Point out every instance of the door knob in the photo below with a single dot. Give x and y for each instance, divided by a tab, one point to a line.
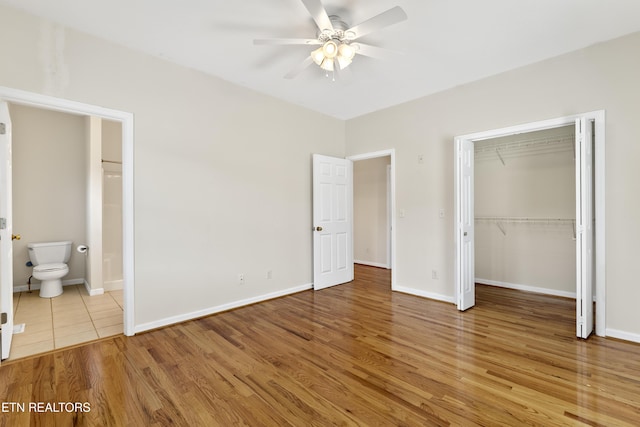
15	237
318	228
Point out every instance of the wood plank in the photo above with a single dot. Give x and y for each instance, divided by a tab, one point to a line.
355	354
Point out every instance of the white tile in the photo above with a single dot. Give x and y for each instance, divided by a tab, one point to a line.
73	329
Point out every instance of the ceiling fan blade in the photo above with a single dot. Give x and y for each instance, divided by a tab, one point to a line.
299	68
309	42
385	19
319	14
375	51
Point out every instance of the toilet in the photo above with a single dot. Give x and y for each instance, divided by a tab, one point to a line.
50	265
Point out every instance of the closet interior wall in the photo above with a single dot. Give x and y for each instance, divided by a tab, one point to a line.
525	212
371	212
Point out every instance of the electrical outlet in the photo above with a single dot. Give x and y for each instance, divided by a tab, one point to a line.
241	278
269	274
434	274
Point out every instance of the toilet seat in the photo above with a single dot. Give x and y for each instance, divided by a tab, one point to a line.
45	268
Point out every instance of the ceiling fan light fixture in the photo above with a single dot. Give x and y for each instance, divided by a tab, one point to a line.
343	62
330	54
327	64
346	51
330	49
318	56
337	41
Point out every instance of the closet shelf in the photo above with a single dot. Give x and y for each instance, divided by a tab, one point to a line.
500	220
500	149
512	219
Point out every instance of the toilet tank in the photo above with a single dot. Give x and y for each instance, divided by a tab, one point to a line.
49	252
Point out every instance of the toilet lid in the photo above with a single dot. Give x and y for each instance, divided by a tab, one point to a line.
50	267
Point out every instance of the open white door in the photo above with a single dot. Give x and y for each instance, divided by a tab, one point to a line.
465	257
584	228
332	221
6	231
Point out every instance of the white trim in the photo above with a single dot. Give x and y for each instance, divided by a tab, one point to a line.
623	335
389	215
392	154
369	263
599	214
36	286
219	308
599	189
425	294
64	105
93	292
527	288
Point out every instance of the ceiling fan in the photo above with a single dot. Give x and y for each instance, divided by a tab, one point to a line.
337	40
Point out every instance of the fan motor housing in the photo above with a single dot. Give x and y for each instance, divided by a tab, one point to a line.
339	31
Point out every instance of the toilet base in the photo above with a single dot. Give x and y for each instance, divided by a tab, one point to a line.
50	288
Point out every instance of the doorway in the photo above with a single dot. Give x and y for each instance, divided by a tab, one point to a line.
524	203
377	171
589	257
125	120
333	246
371	212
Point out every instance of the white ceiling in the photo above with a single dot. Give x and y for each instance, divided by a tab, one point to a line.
444	43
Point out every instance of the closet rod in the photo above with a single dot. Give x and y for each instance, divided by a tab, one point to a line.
111	161
524	219
529	143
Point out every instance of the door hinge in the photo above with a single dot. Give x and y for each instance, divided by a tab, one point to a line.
3	128
3	223
3	318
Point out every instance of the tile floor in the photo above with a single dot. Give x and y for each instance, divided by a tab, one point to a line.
71	318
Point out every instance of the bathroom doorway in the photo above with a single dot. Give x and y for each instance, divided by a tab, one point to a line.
69	210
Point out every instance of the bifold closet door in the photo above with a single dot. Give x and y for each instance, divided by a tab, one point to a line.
584	228
465	256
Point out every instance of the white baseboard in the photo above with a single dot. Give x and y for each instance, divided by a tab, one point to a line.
372	264
36	286
217	309
622	335
93	292
527	288
424	294
68	282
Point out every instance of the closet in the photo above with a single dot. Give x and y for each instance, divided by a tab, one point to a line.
525	207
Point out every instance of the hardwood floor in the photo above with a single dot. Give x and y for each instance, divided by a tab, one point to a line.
351	355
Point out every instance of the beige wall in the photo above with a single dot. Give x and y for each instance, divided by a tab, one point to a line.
222	174
48	185
537	184
604	76
112	204
370	233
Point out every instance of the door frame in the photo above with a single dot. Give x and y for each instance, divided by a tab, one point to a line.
598	117
16	96
392	154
